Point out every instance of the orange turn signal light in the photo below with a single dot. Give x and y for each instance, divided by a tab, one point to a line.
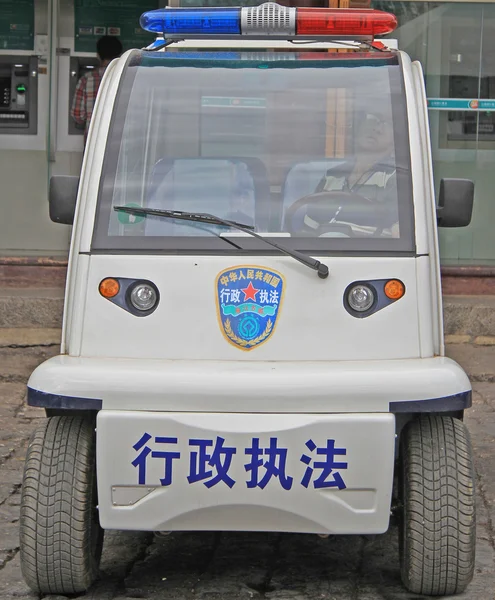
109	287
394	289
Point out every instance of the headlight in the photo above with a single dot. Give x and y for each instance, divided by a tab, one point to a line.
143	297
361	298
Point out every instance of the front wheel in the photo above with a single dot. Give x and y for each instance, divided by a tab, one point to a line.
60	536
437	530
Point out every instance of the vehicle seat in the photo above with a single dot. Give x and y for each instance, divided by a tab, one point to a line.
231	188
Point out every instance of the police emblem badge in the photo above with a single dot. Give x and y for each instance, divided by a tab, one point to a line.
249	299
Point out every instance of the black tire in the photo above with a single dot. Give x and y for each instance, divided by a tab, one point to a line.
437	528
60	537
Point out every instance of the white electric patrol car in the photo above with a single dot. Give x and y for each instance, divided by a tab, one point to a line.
252	334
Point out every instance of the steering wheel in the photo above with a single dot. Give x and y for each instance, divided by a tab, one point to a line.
342	206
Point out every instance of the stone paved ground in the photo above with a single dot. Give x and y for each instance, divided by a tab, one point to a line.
240	566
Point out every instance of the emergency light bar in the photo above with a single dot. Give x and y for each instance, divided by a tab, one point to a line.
268	20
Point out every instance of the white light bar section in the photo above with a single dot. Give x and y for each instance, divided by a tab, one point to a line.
269	18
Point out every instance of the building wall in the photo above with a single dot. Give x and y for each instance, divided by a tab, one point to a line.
455	42
28	162
25	226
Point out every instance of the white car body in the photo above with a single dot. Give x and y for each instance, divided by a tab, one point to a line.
320	375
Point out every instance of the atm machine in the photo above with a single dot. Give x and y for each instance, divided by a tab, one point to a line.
23	101
25	68
71	67
78	67
18	95
72	63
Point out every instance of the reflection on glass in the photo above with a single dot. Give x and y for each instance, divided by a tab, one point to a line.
455	43
306	3
461	47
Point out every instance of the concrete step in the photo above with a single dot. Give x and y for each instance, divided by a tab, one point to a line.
31	307
471	316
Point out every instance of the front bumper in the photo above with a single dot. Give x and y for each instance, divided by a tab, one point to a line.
408	385
261	472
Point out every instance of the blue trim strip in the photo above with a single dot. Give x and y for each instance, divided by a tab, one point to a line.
46	400
446	404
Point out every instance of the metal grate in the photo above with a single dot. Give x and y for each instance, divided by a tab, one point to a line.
268	18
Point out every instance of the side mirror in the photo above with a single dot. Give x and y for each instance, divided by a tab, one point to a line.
62	198
455	204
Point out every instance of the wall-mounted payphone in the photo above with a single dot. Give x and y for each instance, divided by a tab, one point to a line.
18	95
79	66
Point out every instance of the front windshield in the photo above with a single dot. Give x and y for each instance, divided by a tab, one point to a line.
309	148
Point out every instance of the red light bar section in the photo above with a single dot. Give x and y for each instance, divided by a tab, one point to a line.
346	22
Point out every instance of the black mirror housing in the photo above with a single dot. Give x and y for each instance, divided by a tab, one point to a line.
455	203
62	198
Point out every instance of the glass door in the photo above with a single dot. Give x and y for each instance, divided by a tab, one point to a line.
25	64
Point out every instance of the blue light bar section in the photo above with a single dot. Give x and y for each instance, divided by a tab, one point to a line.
147	59
177	21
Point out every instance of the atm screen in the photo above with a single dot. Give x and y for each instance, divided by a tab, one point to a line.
5	83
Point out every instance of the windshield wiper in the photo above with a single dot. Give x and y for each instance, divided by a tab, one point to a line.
312	263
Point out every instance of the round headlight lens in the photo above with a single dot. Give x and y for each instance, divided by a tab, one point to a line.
361	298
143	297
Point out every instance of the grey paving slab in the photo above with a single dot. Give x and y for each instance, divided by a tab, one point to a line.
235	566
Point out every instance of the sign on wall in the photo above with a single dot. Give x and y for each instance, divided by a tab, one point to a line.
16	24
96	18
